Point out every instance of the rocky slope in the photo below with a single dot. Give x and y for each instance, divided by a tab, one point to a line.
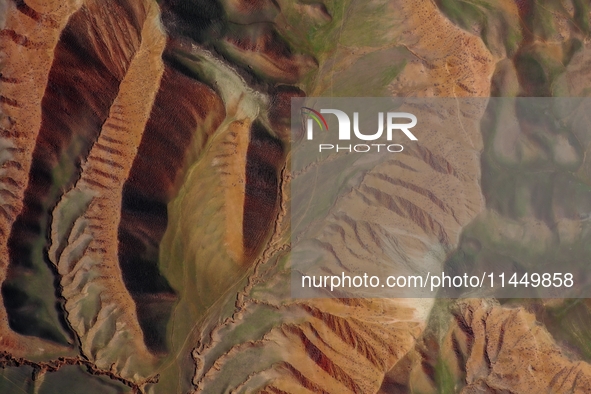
145	196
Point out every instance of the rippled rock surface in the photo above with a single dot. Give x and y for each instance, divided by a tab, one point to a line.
145	196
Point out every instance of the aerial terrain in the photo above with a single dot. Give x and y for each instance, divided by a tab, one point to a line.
145	196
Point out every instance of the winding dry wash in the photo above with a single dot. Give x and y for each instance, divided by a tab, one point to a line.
145	191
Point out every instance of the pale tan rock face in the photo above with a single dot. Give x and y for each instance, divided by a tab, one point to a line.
491	348
512	351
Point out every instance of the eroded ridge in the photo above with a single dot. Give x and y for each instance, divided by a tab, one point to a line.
169	229
347	345
484	346
27	44
85	222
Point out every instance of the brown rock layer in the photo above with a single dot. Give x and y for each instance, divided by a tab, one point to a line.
264	158
280	109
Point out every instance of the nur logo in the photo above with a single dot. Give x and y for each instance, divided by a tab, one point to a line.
344	131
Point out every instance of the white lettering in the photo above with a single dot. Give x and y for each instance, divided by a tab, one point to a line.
344	122
395	145
401	126
370	137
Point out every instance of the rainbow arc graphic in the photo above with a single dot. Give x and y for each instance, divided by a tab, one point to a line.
312	114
